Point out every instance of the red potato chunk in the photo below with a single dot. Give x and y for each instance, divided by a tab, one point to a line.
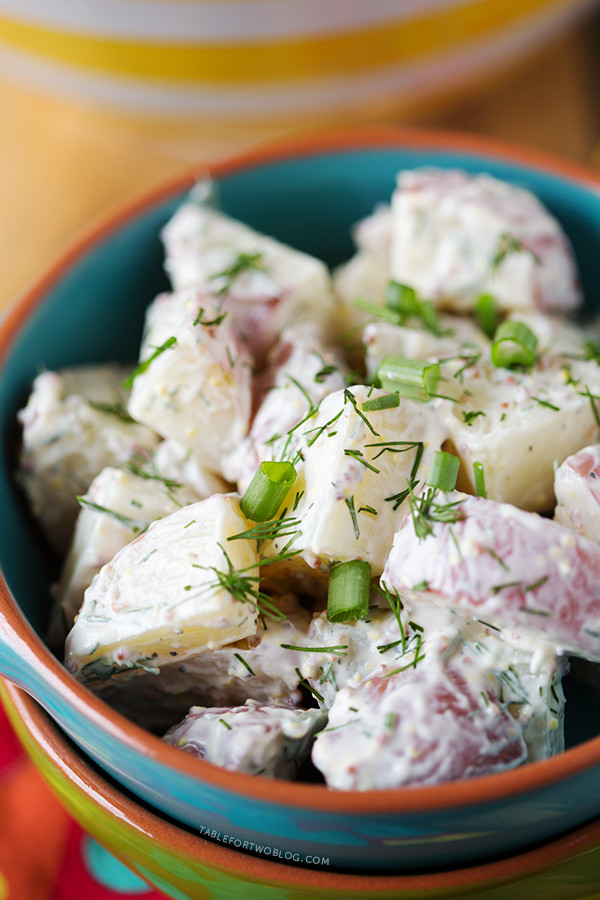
510	568
259	739
456	235
577	489
424	725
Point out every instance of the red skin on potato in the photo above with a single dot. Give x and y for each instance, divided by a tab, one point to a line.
424	725
513	569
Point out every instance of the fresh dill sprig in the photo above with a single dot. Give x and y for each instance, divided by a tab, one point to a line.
396	605
146	363
304	683
243	262
507	244
269	531
244	587
470	416
338	649
592	398
546	403
424	510
350	398
349	501
147	469
137	525
245	664
209	323
358	456
117	409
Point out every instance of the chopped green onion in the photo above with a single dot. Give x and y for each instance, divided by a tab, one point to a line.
487	314
413	378
402	299
514	345
479	479
385	401
443	471
267	490
348	592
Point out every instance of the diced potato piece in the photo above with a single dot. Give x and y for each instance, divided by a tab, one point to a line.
519	425
254	738
424	725
197	390
456	236
257	667
460	337
176	463
521	673
512	569
263	284
179	588
301	371
74	424
351	466
118	505
577	489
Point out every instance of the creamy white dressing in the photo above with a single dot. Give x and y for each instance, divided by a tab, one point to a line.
74	424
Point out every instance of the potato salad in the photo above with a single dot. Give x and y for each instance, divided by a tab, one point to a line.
337	525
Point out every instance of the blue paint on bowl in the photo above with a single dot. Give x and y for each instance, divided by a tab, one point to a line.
94	313
110	872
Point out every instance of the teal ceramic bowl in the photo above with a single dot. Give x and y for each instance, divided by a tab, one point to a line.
89	307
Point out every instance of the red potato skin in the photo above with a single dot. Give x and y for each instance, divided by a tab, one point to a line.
513	569
424	725
583	469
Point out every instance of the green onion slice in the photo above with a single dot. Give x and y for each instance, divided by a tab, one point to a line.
514	345
267	490
402	299
413	378
479	479
348	592
487	314
406	303
443	471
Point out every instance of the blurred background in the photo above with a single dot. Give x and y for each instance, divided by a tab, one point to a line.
100	99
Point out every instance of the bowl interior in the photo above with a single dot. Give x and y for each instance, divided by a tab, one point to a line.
90	308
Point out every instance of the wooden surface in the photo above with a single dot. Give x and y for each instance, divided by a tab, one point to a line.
61	168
